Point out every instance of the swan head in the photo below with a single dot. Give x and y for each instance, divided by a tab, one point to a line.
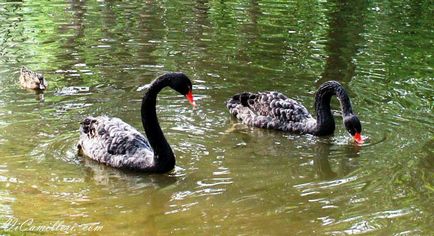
182	84
354	127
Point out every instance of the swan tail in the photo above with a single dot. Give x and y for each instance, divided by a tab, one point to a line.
244	107
88	126
239	101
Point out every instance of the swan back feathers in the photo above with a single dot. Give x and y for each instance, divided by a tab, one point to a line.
114	142
271	110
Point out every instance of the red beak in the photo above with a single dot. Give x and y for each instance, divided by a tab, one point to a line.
358	138
189	97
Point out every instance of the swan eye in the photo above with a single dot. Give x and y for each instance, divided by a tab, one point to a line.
351	131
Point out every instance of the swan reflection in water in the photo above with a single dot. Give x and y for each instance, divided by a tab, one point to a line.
150	195
132	180
333	161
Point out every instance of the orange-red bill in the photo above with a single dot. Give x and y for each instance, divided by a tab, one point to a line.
358	138
190	99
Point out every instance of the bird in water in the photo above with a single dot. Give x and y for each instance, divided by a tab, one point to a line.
32	80
273	110
115	143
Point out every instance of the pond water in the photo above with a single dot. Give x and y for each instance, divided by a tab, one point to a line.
230	179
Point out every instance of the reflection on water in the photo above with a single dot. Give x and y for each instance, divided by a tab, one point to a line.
323	165
99	56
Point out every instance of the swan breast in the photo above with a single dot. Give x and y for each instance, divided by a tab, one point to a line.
113	142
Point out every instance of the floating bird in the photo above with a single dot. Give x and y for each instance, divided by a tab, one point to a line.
273	110
32	80
115	143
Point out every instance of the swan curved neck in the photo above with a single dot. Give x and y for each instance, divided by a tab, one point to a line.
324	116
164	157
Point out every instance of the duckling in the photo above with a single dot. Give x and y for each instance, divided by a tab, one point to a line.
32	80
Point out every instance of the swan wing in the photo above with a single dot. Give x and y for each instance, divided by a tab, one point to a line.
113	142
271	110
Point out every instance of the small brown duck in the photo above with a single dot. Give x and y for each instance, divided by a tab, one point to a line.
32	80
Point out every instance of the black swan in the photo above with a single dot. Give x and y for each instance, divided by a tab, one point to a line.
115	143
32	80
273	110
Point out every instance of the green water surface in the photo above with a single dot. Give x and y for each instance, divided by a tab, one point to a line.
230	179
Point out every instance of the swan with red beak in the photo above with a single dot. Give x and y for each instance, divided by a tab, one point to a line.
273	110
190	98
113	142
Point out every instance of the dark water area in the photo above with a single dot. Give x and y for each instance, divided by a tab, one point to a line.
230	179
